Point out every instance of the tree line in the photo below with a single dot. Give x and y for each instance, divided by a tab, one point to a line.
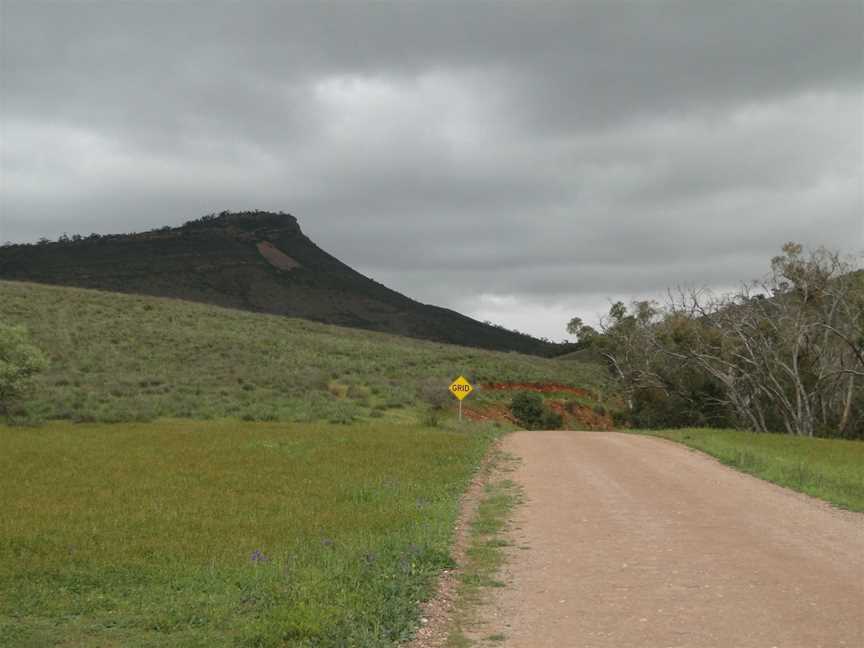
66	239
784	353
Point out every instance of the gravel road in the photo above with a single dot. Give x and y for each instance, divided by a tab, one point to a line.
627	541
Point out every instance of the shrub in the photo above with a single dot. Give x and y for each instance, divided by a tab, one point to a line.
434	392
620	418
317	379
532	414
338	389
528	409
19	362
24	414
551	420
431	417
395	401
259	413
342	412
359	392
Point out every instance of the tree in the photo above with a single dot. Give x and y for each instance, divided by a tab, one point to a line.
583	332
785	346
19	362
784	353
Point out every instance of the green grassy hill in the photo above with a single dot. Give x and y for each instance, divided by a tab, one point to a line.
118	357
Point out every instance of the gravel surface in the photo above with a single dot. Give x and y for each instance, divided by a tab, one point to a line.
633	541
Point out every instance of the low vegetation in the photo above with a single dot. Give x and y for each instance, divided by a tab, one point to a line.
532	414
20	361
225	533
120	358
831	469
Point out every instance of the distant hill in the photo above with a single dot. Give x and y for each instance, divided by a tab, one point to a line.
255	261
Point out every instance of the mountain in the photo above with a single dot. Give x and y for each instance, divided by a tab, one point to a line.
255	261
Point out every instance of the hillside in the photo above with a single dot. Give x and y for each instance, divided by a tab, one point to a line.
120	357
255	261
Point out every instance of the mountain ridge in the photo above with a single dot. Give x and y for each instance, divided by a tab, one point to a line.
257	261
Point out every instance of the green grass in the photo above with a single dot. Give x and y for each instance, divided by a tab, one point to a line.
485	553
225	533
122	358
830	469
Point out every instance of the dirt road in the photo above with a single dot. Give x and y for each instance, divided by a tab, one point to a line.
632	541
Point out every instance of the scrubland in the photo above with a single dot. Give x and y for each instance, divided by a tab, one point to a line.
118	358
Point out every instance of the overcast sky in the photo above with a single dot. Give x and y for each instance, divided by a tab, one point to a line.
519	162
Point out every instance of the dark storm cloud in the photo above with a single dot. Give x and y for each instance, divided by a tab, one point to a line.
502	158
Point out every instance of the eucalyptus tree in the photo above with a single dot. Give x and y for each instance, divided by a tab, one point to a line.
783	353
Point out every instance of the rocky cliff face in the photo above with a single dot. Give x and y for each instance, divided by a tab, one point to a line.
258	261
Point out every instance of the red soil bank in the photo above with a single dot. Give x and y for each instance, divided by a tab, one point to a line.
543	388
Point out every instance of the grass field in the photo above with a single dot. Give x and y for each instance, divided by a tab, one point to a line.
831	469
224	533
122	358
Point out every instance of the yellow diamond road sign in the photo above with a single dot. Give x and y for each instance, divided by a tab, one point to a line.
461	388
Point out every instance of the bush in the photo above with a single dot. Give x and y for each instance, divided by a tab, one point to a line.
19	362
431	417
317	379
434	392
259	413
620	418
338	389
551	420
359	393
532	414
528	409
342	412
24	414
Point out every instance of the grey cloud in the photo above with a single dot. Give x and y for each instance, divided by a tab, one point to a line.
575	61
541	153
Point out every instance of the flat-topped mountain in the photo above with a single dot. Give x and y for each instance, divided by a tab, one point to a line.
257	261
